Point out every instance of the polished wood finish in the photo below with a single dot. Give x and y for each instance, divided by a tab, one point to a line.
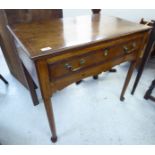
95	77
14	16
69	66
67	33
64	51
9	50
145	57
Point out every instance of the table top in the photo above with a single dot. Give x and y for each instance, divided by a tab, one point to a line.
53	36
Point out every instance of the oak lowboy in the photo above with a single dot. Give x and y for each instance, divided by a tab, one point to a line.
59	52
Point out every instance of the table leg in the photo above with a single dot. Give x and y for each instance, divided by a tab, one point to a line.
50	115
141	67
146	56
42	70
149	91
3	79
128	77
32	87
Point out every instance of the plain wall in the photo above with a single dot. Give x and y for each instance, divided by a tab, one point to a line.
130	14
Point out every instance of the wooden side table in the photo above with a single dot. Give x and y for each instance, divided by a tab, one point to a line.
66	50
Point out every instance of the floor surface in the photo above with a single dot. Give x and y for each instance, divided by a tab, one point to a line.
89	113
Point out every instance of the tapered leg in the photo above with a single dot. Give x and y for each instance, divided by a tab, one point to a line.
50	115
3	79
45	85
128	77
139	74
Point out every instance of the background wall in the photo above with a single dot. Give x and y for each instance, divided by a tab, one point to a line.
129	14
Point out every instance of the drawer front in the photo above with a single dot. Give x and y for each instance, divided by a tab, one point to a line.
65	81
73	65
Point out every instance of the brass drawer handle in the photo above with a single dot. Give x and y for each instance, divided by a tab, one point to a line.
69	67
128	50
82	61
106	51
134	45
75	69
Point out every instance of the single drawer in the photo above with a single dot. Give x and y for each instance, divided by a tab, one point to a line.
75	64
